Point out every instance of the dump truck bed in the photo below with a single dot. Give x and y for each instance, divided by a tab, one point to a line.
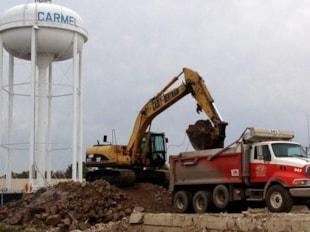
212	166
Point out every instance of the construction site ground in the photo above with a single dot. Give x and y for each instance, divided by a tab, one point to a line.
98	206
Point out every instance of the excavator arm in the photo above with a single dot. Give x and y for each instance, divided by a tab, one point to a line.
204	135
193	84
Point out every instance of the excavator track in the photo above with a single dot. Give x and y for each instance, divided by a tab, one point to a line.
118	177
158	177
126	177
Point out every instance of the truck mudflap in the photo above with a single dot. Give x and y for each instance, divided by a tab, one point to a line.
300	192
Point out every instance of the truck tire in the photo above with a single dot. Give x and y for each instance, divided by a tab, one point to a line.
201	201
182	201
220	197
278	199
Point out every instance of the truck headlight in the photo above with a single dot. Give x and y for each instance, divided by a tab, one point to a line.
302	182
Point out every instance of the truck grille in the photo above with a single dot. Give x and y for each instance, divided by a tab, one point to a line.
308	171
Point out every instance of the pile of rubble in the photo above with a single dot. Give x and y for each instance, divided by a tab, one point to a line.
71	205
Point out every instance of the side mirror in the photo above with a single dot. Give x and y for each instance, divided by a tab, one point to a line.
167	140
105	138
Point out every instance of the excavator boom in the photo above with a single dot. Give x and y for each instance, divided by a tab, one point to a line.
195	85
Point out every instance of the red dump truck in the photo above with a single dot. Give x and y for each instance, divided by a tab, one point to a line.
263	165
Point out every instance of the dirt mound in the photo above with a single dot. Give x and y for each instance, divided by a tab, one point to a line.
72	205
152	198
69	205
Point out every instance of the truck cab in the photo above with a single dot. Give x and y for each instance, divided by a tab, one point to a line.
282	169
283	161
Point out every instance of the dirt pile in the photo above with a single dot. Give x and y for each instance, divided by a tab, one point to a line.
152	198
70	205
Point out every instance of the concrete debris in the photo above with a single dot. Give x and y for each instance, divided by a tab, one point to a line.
138	209
136	218
121	226
257	222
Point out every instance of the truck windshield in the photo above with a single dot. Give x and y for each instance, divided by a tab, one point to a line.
288	150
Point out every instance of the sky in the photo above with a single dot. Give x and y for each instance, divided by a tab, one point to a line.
252	54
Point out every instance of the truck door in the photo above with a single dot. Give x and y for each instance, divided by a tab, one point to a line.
260	167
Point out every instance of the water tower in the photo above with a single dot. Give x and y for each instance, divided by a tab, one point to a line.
42	33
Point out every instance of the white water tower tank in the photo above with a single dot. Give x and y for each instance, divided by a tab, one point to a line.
43	33
56	28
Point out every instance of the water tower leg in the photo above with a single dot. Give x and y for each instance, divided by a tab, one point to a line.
10	122
42	118
33	101
49	123
75	108
1	94
81	106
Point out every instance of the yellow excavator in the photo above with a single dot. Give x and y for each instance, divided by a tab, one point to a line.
145	154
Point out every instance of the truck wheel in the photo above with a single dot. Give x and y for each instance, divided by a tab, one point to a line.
201	201
278	199
182	200
220	197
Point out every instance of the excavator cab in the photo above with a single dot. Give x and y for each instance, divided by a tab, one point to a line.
158	149
153	146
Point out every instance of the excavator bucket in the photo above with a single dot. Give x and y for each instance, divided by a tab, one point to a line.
203	135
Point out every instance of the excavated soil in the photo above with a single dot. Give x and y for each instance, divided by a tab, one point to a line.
153	198
71	205
202	135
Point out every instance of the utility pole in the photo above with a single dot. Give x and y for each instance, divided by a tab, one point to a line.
308	131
